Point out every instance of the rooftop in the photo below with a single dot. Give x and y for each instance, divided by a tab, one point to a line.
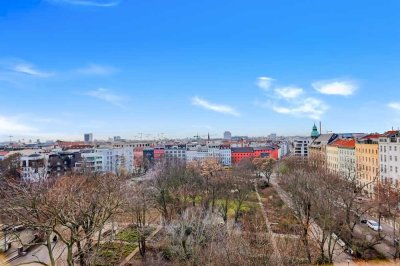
344	143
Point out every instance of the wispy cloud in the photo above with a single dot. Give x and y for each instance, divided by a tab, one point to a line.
95	69
95	3
335	87
264	82
292	100
29	69
308	107
11	125
107	96
394	105
219	108
289	92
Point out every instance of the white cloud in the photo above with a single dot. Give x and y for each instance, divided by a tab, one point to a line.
28	69
289	92
394	105
335	87
94	69
308	107
264	82
95	3
219	108
10	125
106	95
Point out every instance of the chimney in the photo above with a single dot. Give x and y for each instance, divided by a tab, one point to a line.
320	127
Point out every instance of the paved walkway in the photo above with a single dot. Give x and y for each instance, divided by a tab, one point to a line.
339	256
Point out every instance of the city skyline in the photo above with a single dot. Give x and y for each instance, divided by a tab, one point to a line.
117	68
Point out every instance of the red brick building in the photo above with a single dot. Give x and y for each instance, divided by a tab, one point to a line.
159	153
239	154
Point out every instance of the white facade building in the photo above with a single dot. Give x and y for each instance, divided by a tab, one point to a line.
108	160
283	149
389	157
223	154
300	146
33	167
347	162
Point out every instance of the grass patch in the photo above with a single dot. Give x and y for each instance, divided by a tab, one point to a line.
112	253
246	206
129	235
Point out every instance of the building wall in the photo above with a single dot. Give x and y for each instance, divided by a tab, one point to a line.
389	158
347	163
263	152
108	160
175	153
33	167
332	158
300	147
159	153
367	165
238	156
223	155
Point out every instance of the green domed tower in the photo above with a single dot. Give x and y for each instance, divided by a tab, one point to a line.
314	132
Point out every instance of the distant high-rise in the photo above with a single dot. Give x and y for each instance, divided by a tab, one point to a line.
272	136
227	135
88	137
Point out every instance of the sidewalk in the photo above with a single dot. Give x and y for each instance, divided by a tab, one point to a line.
340	257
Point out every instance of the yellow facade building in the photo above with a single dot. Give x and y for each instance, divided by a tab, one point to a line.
367	162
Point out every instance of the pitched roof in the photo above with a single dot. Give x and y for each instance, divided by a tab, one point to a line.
3	153
323	139
372	136
390	133
344	143
244	149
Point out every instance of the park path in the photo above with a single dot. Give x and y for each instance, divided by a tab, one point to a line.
339	256
276	253
136	250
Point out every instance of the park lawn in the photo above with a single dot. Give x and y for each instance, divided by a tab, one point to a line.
111	253
246	206
128	235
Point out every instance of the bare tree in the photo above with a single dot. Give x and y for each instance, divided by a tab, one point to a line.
301	187
265	166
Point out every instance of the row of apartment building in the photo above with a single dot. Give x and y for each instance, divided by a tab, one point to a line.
39	163
368	158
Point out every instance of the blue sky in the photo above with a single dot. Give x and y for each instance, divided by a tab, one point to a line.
178	67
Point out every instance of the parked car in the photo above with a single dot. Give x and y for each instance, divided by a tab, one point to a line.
374	225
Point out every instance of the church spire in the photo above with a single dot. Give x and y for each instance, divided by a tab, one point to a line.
314	133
